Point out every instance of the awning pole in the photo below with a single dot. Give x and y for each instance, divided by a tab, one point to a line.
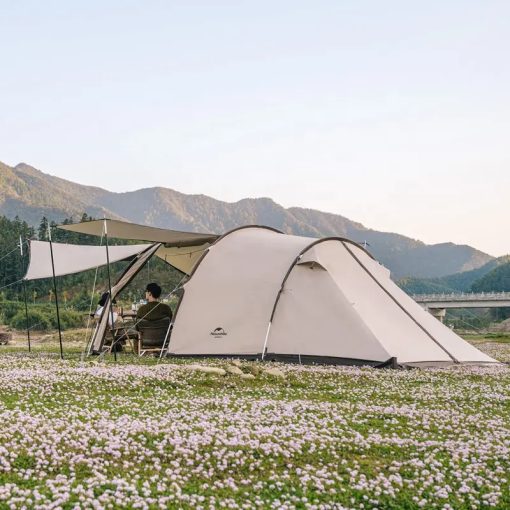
88	345
114	347
26	314
55	291
25	295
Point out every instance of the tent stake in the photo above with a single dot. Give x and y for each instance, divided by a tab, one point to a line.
56	297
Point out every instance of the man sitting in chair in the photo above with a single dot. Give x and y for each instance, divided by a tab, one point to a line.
154	310
152	321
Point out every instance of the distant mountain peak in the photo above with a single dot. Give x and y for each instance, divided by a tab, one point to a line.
31	194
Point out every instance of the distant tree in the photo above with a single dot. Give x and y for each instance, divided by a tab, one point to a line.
42	232
12	264
497	280
423	286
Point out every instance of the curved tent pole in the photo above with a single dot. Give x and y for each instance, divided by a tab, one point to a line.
200	260
287	274
344	242
223	237
302	252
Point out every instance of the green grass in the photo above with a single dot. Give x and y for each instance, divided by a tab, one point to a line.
141	432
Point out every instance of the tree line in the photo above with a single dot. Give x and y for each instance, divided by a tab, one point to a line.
74	291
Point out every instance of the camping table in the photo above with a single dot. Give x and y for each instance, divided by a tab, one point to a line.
127	324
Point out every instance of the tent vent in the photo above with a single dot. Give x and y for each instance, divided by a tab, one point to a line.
312	264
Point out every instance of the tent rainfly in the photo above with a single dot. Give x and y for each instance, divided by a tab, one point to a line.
258	293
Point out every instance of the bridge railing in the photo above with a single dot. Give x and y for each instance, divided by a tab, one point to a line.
463	296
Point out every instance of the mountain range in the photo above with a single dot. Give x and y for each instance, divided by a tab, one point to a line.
31	194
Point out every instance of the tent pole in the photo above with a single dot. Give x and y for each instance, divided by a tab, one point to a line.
265	341
25	296
110	311
56	297
165	346
26	314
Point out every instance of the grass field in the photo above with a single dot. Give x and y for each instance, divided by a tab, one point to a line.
142	434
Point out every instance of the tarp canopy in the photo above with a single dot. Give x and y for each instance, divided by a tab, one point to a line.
125	230
180	249
73	258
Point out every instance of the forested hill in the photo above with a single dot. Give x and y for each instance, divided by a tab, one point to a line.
491	277
31	194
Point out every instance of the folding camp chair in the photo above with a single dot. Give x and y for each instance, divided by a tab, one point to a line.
152	336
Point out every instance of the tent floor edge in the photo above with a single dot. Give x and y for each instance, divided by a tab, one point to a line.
246	357
298	359
308	359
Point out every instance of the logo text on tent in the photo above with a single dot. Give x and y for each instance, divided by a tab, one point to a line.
218	333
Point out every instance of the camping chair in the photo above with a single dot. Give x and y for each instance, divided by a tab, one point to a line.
152	336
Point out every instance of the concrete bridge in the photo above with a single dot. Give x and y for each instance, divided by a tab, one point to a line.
437	304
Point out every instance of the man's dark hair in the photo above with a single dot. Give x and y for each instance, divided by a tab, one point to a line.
154	289
104	298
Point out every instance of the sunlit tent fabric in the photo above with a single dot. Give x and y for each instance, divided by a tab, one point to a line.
179	249
258	293
71	258
182	258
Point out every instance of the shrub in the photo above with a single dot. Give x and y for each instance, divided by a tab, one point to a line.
10	309
42	318
37	320
69	319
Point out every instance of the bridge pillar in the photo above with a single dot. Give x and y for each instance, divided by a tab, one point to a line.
438	313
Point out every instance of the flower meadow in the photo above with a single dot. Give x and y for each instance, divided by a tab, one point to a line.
147	435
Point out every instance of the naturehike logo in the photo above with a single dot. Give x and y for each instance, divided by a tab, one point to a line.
218	333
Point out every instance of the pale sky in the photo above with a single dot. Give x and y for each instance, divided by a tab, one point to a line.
395	114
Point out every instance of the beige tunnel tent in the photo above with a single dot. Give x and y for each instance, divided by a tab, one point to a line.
258	293
261	293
